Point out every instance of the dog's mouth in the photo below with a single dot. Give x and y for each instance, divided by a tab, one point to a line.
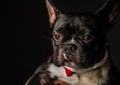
68	59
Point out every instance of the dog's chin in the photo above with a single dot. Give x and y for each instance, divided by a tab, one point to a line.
65	63
70	64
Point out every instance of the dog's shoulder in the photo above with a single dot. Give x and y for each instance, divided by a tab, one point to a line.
40	73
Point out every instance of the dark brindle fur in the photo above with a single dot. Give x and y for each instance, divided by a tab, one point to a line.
80	44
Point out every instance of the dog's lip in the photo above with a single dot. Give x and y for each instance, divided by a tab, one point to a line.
68	61
67	56
64	55
71	64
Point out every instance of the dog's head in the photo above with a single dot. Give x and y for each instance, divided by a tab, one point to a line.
79	39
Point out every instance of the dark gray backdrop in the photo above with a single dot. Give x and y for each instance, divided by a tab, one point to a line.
26	35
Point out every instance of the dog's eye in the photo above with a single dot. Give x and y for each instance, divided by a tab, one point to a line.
87	37
57	36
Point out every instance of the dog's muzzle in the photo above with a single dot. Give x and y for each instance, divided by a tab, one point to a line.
69	51
70	48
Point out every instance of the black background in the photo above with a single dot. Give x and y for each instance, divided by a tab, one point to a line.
26	35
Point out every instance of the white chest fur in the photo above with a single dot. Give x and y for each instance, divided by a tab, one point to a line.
60	73
89	78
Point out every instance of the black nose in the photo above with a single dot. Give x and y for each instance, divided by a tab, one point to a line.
71	47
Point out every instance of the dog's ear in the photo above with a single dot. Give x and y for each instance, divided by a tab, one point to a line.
53	12
109	10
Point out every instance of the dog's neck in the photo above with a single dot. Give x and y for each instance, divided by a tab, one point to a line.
98	74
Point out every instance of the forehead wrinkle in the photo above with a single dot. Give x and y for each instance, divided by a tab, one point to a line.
77	21
72	21
61	21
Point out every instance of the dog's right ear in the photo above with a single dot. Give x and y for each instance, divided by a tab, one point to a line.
109	9
53	12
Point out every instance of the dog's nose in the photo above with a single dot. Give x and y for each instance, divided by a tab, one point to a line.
71	47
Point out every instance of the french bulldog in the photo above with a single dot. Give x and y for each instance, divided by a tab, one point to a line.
81	49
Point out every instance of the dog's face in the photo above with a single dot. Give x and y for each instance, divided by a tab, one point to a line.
79	39
76	40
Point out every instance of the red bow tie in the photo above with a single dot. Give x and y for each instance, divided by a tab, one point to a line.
68	72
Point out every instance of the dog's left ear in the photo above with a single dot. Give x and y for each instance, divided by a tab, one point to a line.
53	12
109	10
